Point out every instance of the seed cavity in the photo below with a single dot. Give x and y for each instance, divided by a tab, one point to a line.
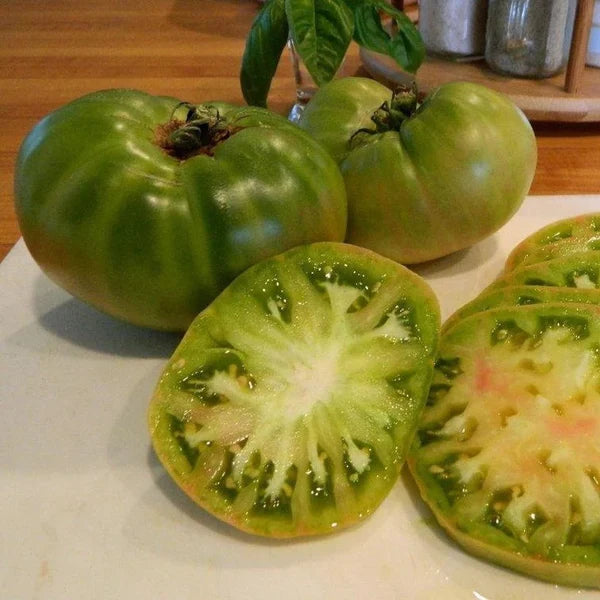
432	434
497	505
455	409
274	300
517	491
508	412
450	367
183	432
544	460
527	300
532	389
342	297
341	275
358	304
508	332
321	488
578	327
468	429
224	482
357	459
540	367
535	519
398	323
557	236
537	281
221	365
401	382
437	391
252	469
594	477
275	501
575	535
583	282
277	307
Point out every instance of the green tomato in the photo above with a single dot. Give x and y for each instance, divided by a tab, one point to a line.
147	208
290	404
424	180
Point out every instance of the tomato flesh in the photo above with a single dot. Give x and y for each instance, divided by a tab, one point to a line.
561	238
289	406
506	455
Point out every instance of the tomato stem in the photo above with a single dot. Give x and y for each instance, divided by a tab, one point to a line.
203	129
391	114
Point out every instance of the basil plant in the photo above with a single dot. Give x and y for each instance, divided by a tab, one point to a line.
321	31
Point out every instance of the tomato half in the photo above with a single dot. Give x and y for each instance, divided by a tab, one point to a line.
147	208
424	180
290	404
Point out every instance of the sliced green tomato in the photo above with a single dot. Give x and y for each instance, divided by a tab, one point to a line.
507	453
579	270
290	404
522	295
576	234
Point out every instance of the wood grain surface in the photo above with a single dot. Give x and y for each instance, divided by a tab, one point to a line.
540	99
52	51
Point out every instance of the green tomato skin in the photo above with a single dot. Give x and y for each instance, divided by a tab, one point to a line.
341	108
454	172
151	239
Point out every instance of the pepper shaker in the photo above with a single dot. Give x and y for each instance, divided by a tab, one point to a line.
529	38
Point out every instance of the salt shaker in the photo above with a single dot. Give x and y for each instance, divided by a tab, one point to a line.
453	28
529	38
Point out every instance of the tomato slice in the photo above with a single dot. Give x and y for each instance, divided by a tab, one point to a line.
290	404
579	270
507	452
522	295
561	238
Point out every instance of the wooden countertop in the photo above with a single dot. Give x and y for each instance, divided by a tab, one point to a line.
53	51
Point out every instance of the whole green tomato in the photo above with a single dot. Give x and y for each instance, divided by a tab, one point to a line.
146	207
424	179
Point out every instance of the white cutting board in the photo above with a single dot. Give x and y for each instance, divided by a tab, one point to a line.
86	511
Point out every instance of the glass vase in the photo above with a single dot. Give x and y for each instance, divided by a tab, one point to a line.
305	84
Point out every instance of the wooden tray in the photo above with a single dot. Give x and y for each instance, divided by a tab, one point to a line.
540	99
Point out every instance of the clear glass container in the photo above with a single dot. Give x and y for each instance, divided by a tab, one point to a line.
306	87
529	38
453	28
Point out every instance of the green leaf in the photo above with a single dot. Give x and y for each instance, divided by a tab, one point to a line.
368	31
321	31
265	42
404	45
354	3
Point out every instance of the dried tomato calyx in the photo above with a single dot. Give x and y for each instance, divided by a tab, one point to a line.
201	131
391	114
